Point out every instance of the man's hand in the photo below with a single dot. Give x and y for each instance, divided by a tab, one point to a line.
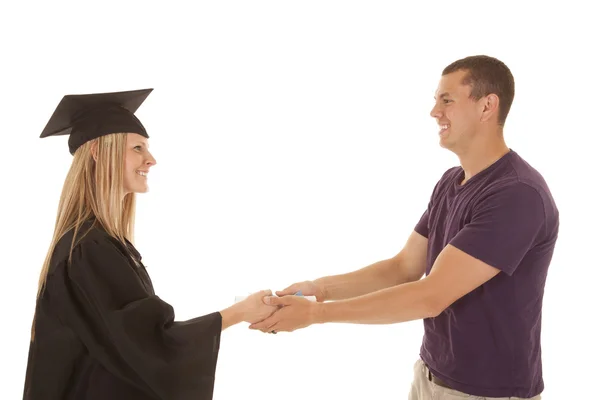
295	313
308	288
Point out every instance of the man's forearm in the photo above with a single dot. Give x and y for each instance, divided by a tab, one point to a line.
406	302
377	276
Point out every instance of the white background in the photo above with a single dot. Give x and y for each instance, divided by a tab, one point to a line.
293	141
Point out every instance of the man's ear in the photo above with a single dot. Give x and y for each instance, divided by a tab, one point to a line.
94	150
491	106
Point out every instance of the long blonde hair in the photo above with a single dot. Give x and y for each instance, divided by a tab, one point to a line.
93	189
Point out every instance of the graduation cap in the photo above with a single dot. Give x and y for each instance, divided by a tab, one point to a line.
88	116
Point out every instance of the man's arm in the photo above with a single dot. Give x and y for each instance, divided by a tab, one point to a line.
406	266
504	227
454	274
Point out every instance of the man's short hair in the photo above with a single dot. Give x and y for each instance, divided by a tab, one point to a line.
487	75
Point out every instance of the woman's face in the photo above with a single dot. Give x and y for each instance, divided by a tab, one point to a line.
138	161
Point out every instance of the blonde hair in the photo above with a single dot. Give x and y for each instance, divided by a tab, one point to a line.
93	189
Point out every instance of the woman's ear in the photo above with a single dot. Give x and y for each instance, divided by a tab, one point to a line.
94	150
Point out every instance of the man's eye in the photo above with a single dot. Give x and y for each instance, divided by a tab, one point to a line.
138	147
446	101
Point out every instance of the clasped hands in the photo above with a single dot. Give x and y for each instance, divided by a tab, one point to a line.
289	312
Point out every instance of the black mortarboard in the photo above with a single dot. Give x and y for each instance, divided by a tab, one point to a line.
87	116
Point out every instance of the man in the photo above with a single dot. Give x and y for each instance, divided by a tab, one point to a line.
483	245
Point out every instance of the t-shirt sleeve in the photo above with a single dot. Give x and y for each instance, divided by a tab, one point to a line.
422	226
131	332
504	226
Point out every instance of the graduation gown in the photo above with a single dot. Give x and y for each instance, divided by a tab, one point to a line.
102	333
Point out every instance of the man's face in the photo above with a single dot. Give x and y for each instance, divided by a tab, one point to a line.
457	115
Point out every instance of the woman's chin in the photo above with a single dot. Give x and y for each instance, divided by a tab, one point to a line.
138	190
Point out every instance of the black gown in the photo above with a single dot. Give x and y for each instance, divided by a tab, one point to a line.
102	333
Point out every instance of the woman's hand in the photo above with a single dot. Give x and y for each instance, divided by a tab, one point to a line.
254	310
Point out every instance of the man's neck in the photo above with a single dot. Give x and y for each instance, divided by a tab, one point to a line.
480	156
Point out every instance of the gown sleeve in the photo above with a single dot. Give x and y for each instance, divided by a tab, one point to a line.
131	331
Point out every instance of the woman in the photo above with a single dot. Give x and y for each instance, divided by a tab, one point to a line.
99	330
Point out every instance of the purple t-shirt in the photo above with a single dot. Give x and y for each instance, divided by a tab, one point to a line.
487	343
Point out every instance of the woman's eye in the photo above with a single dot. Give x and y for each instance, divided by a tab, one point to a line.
138	147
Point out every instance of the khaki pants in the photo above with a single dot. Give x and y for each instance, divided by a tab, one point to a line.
423	389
